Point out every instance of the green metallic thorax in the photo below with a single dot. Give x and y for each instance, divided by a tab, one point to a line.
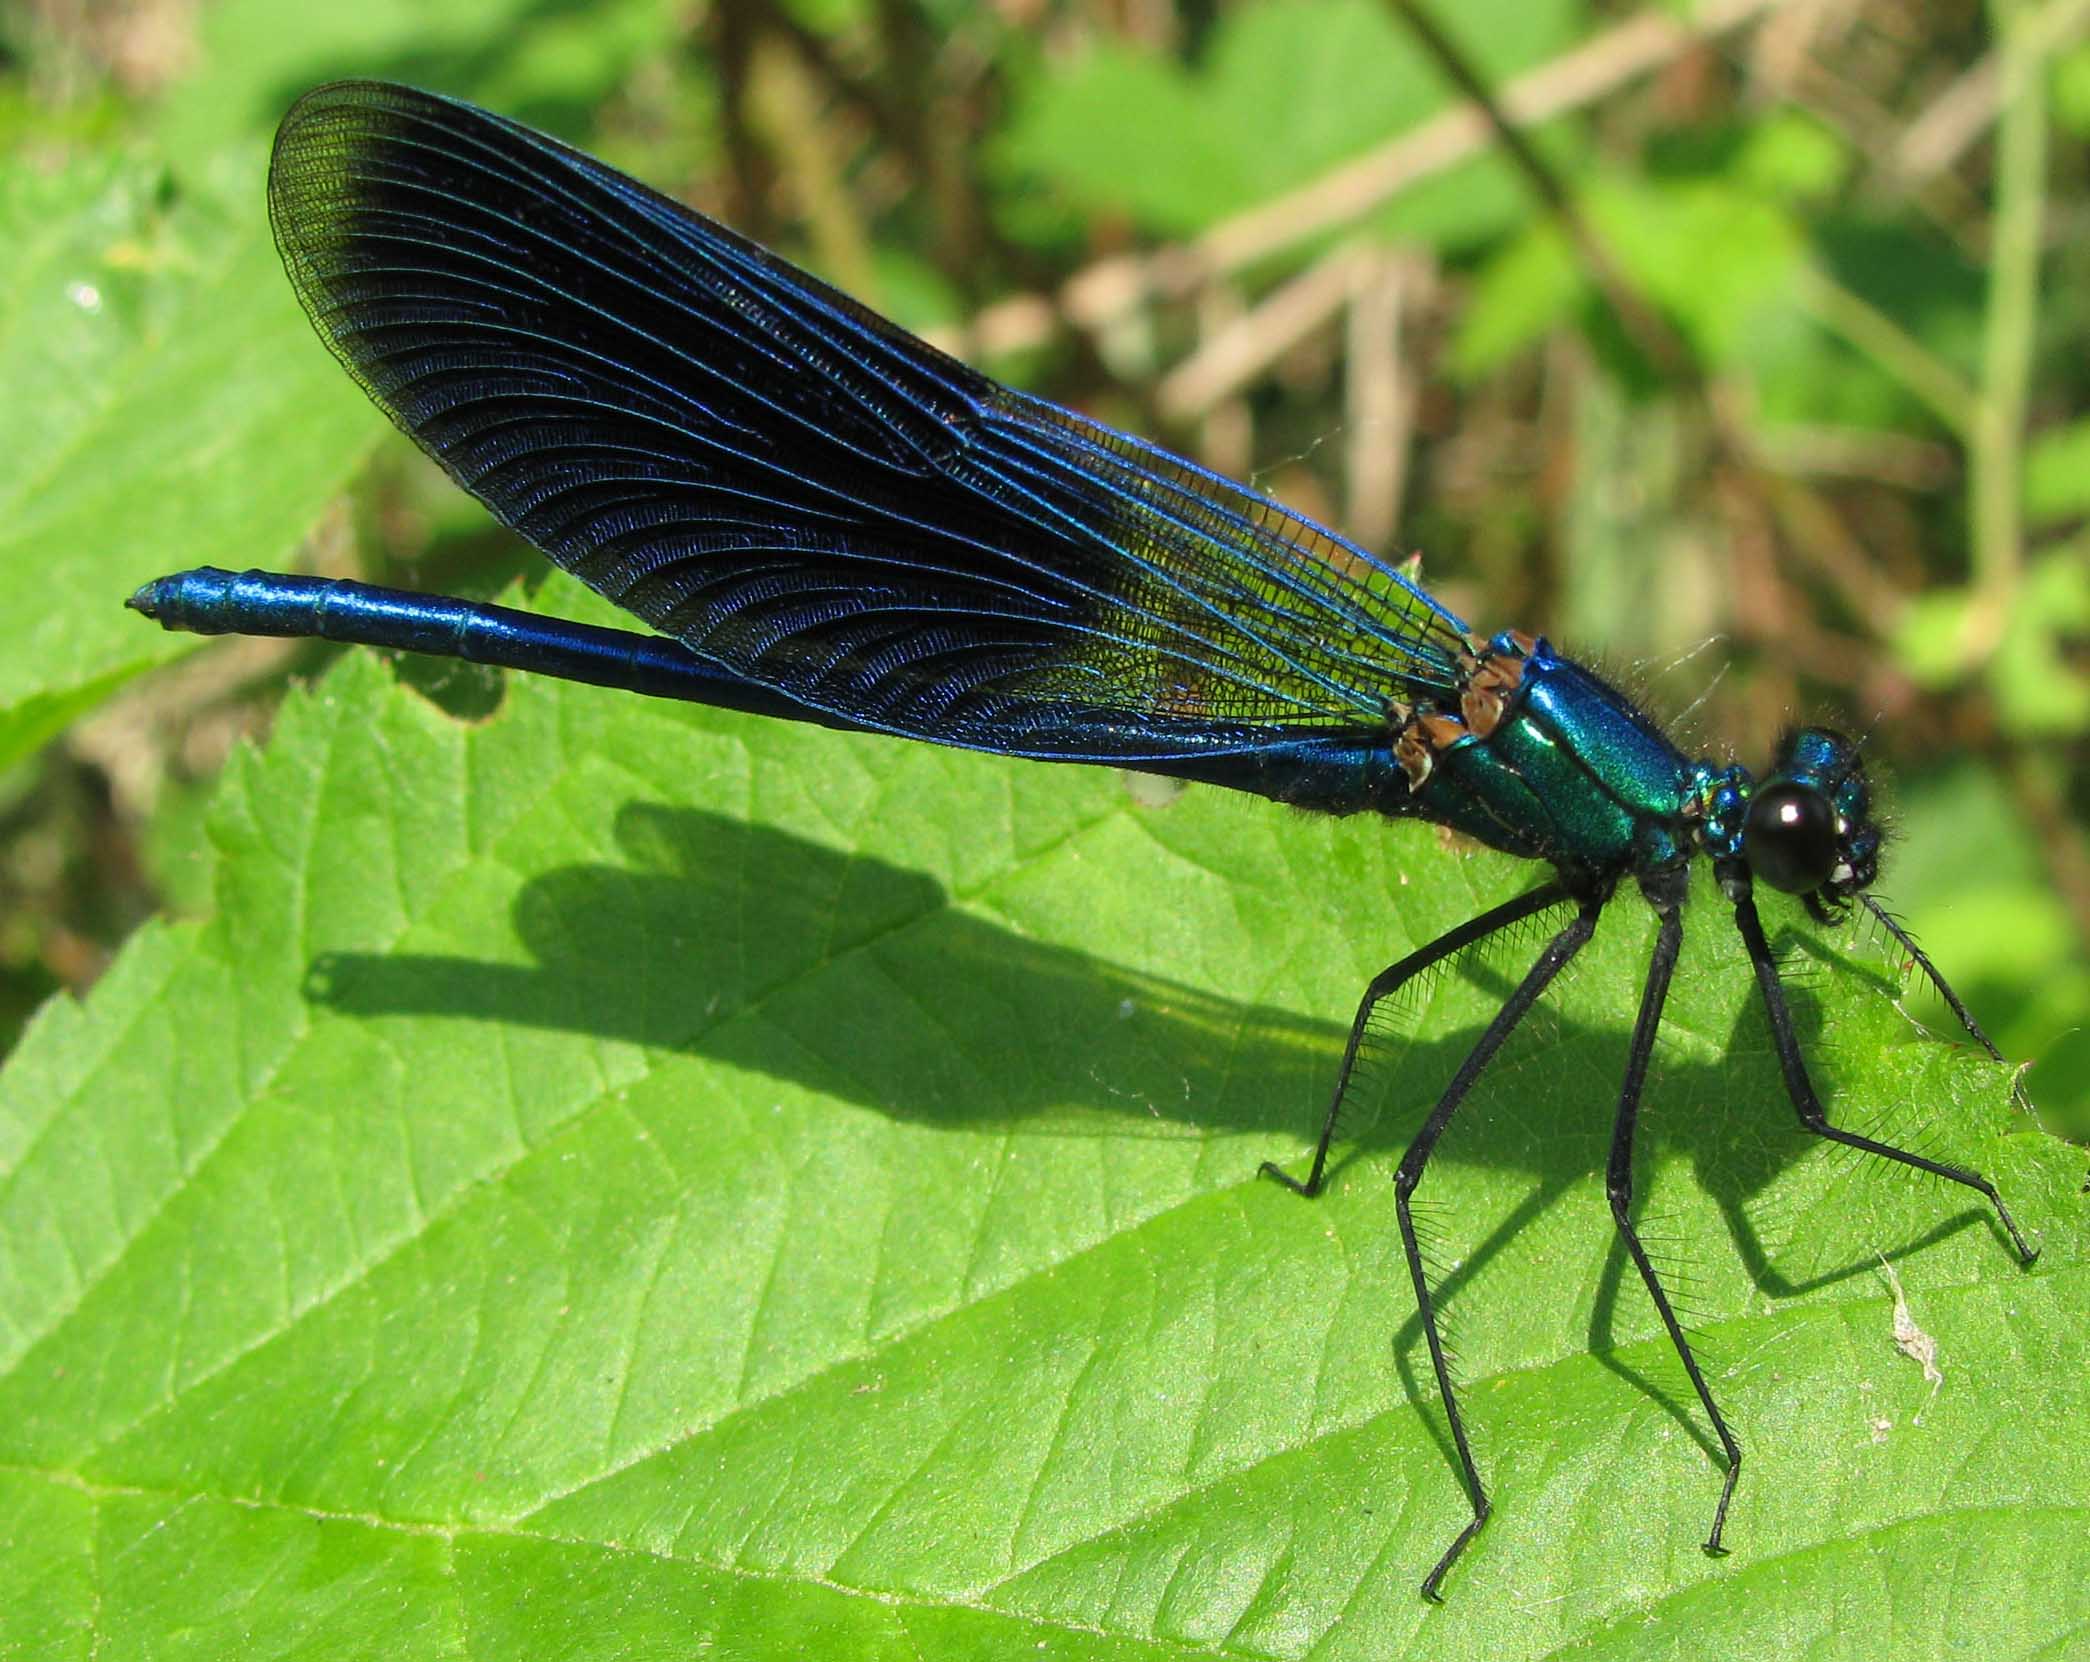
1571	774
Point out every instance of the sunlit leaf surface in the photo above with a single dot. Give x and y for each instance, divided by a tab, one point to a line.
617	1178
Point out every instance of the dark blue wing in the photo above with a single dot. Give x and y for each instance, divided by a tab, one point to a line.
801	491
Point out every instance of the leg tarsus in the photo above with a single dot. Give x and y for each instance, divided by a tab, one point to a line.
1808	1106
1818	1123
1309	1186
1432	1582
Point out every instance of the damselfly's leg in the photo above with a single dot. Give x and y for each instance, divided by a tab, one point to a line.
1390	981
1943	989
1573	936
1668	942
1929	971
1808	1105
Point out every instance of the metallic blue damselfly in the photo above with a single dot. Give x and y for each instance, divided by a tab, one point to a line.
827	520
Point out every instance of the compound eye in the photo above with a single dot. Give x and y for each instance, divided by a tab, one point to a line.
1789	837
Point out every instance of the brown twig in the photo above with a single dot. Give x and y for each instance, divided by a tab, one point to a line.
1965	110
1651	333
736	36
1379	394
1245	346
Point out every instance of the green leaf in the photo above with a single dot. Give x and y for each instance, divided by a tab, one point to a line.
166	407
1789	155
551	67
2057	473
1532	285
2070	90
1714	256
622	1179
1932	639
1718	259
2038	678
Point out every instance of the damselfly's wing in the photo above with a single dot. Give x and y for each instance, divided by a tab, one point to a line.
798	489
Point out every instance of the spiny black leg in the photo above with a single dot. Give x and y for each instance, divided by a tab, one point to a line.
1619	1181
1930	973
1953	1001
1797	1086
1390	981
1563	946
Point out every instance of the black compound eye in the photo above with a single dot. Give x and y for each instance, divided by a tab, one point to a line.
1789	837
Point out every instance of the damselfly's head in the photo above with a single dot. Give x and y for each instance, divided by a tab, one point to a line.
1809	828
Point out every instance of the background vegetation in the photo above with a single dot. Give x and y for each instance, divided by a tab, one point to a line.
1783	420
